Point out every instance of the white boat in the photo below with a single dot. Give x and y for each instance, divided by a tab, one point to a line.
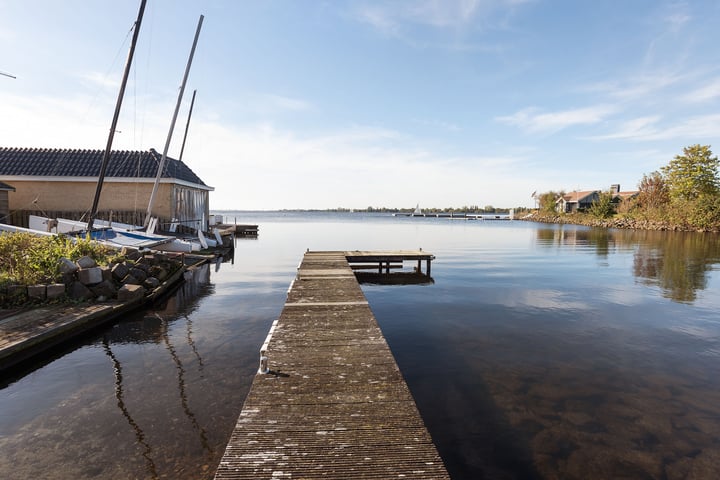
120	234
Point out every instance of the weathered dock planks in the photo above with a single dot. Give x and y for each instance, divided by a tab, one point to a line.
334	403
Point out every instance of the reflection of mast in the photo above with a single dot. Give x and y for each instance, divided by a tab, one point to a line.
181	388
191	342
139	434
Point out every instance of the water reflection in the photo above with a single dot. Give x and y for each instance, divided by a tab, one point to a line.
119	395
676	262
181	389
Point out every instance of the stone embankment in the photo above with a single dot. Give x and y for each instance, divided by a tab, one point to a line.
137	275
616	222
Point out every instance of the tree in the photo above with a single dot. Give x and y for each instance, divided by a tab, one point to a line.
603	206
692	174
546	201
653	191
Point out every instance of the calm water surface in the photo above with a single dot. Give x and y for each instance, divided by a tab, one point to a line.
539	351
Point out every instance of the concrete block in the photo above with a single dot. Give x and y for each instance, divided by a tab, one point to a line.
78	291
130	292
55	290
106	289
67	266
86	262
120	271
138	273
90	276
37	292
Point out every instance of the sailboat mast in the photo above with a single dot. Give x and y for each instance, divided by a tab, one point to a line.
187	125
151	203
113	126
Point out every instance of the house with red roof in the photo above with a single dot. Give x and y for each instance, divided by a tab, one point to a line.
579	201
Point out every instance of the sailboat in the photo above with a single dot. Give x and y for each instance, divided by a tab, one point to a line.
123	235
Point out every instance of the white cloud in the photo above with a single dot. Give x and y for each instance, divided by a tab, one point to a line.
111	82
637	87
531	120
698	128
357	166
708	92
397	19
273	103
635	128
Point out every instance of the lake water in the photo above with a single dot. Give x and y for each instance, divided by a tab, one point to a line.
540	351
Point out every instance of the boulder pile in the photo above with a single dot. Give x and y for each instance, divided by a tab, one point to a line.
137	274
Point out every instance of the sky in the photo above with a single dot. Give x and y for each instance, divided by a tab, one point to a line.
347	104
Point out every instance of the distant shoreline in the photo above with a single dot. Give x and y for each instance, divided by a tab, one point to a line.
616	222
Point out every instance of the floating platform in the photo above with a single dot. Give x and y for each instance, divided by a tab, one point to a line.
329	400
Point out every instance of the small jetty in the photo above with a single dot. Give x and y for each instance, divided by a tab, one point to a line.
329	400
458	216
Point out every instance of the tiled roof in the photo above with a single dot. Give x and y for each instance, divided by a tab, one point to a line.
5	186
574	197
53	162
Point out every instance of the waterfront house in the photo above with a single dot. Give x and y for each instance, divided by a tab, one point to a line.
62	183
619	196
576	201
4	204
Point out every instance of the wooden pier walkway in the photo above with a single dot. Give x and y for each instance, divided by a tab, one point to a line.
333	403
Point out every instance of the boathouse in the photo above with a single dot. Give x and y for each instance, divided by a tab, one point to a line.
62	183
4	205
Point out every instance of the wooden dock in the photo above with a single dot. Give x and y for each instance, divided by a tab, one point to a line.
331	402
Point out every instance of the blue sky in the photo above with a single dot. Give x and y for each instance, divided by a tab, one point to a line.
323	104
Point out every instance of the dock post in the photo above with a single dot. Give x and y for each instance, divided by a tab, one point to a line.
428	267
263	363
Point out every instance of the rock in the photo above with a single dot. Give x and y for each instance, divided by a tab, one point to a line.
86	262
142	266
128	293
151	283
37	292
138	273
67	266
106	289
90	276
55	290
106	274
131	280
130	253
159	272
120	271
79	291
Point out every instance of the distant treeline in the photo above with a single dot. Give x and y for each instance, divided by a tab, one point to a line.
463	209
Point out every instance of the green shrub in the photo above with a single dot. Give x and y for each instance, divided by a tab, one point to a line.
27	259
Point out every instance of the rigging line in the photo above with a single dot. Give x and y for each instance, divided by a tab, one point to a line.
105	77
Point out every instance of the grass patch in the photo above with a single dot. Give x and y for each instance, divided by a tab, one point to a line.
27	259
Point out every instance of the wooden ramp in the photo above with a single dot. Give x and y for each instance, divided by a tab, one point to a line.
333	404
